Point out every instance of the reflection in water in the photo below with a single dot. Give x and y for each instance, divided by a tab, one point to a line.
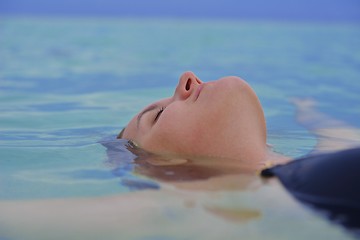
130	161
240	215
142	170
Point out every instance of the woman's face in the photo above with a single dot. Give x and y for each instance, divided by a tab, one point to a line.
220	118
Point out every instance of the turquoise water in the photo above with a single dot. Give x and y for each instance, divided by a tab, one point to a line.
68	84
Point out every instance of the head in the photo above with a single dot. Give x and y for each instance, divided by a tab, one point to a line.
221	118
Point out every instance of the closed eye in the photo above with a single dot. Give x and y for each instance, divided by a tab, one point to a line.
160	111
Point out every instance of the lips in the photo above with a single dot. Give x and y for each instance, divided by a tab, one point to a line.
198	91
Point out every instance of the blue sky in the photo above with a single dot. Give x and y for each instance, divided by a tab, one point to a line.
328	10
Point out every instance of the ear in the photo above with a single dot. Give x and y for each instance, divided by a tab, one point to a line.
157	161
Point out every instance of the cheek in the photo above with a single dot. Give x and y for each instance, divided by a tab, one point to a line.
175	132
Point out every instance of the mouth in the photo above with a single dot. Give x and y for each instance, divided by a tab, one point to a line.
198	91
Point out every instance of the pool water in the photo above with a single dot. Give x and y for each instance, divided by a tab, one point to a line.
68	86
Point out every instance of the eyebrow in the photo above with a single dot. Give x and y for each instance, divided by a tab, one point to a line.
148	109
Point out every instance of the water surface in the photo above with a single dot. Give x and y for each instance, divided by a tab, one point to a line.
66	85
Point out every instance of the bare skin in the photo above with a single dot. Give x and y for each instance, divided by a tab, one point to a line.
217	119
332	134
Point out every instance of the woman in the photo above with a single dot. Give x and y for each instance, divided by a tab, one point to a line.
222	121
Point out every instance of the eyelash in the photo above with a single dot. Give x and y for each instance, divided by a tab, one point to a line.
160	111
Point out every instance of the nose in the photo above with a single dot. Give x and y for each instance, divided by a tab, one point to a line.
188	82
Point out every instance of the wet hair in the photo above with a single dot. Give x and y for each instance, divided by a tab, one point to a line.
120	135
130	142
